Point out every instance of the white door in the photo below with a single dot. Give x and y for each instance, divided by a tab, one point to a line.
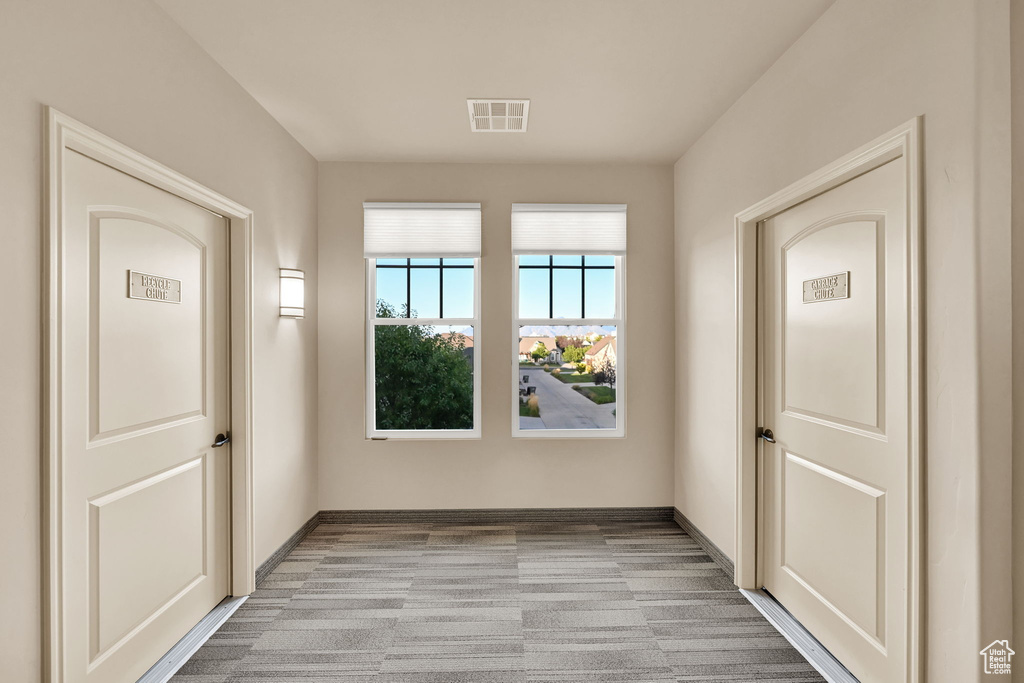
145	499
834	315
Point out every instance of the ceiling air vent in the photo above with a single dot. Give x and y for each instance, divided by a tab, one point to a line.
498	116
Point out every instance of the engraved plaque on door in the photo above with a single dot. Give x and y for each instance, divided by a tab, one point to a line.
827	288
151	287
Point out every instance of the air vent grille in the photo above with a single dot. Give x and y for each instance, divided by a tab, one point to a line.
498	116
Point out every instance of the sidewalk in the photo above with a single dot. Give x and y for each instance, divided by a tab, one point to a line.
561	407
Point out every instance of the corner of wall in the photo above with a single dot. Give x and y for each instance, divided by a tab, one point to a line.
993	201
1017	268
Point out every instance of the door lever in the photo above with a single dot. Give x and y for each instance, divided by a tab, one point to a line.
221	440
766	434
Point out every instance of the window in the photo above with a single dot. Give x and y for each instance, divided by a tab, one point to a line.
423	313
569	330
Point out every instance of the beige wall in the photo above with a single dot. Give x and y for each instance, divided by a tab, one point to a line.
124	68
495	471
1017	85
862	69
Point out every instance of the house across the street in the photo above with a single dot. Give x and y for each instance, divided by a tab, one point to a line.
527	345
602	351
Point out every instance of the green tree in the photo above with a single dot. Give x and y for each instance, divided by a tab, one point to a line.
423	380
573	354
539	351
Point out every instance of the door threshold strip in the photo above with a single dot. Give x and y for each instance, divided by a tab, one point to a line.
799	637
176	657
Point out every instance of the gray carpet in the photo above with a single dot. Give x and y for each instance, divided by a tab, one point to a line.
537	602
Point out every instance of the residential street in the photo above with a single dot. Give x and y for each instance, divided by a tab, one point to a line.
562	407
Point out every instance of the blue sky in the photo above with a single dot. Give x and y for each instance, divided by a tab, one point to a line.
534	286
426	282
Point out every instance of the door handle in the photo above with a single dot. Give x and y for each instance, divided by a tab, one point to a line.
766	434
221	440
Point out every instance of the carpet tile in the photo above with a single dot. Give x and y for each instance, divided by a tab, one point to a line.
524	602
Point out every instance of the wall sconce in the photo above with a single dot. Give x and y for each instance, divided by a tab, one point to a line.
293	293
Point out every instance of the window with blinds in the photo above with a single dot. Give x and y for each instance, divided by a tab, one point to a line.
569	331
423	319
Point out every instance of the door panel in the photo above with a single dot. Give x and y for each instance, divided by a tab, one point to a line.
145	501
834	315
836	338
839	568
154	375
132	523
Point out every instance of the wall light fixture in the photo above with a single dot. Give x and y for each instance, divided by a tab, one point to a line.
293	293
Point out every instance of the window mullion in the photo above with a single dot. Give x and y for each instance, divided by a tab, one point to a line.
551	286
583	286
568	322
408	288
432	322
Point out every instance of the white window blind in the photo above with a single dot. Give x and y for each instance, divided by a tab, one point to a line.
420	230
569	229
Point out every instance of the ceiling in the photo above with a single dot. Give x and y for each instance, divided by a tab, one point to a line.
387	80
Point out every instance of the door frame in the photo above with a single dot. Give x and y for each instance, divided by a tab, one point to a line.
904	141
65	133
